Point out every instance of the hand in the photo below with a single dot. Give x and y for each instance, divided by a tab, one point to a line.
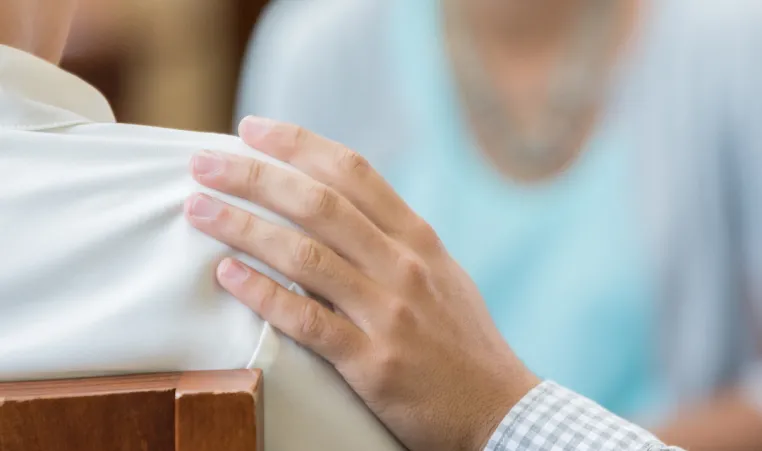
409	331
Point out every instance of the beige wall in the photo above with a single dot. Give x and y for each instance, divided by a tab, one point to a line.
176	58
186	56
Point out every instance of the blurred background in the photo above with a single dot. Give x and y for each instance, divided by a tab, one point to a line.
169	63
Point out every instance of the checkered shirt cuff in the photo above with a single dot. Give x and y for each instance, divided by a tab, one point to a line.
552	418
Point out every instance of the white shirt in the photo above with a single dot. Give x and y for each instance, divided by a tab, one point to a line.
100	273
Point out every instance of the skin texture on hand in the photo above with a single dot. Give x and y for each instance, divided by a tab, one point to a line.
409	330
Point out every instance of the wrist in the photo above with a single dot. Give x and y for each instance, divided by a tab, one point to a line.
498	404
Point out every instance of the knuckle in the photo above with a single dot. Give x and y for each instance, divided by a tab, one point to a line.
264	294
399	320
400	314
300	135
352	162
390	362
404	316
413	271
311	324
424	235
307	256
320	202
289	138
254	173
247	226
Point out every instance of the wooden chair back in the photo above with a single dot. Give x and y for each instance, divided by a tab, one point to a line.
193	411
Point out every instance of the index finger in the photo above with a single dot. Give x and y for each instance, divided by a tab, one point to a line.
334	165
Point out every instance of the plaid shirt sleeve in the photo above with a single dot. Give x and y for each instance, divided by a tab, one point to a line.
552	418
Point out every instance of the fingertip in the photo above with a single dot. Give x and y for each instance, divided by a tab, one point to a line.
207	164
202	208
232	274
253	129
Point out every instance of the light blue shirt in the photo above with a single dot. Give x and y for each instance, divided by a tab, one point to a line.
560	264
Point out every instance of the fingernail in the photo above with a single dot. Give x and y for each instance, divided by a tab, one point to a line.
233	272
207	163
204	207
255	128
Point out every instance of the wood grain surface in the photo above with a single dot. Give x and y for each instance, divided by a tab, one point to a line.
194	411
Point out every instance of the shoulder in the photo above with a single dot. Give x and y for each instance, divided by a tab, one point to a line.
312	34
718	47
325	65
307	56
703	58
288	28
713	30
725	18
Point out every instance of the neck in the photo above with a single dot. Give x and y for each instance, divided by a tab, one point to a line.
39	27
520	25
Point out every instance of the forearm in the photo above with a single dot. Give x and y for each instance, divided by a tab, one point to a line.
551	418
729	423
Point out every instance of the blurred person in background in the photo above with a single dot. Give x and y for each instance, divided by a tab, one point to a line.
594	165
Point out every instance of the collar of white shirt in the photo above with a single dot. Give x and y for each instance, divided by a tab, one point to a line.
38	95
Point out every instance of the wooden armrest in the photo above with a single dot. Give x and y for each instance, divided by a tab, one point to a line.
193	411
